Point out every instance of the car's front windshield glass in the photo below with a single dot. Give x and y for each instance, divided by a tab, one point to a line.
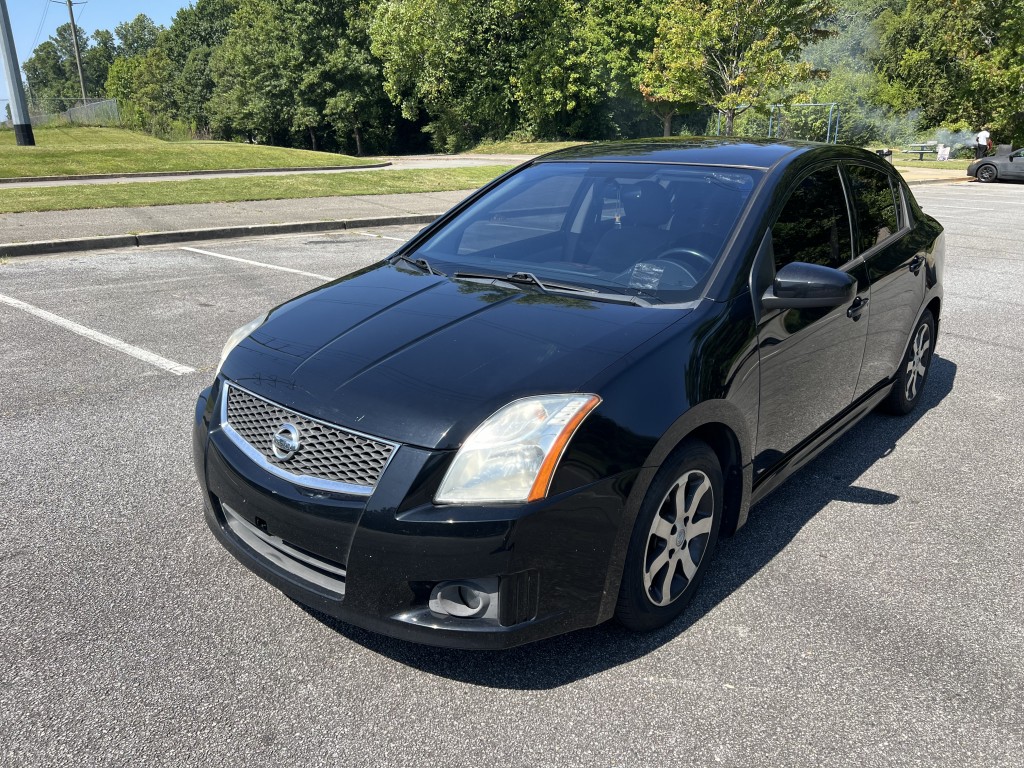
641	229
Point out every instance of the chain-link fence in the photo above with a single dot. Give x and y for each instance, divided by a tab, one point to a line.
60	111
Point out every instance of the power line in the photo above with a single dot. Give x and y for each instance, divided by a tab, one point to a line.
42	23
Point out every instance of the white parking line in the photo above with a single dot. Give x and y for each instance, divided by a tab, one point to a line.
379	237
121	346
258	263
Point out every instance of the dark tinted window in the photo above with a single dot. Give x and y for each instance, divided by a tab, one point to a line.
874	200
814	225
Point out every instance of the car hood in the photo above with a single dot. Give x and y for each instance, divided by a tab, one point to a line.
421	359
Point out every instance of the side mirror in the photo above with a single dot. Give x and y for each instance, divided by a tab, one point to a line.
800	285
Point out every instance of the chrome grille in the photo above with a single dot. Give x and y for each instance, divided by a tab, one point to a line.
328	456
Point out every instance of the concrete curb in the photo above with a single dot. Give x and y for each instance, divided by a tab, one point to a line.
43	247
211	172
965	180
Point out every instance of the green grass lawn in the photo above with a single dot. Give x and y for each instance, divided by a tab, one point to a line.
949	165
76	151
521	147
139	194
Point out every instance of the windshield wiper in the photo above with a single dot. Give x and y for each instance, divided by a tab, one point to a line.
620	298
547	287
418	262
528	278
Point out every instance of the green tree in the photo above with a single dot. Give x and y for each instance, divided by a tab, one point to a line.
860	93
162	78
452	60
96	61
52	73
487	68
203	24
290	70
122	84
732	55
957	63
136	37
156	92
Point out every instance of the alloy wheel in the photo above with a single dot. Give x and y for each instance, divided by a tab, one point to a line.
917	365
678	537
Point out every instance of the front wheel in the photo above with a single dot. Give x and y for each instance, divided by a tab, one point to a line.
673	538
913	371
987	173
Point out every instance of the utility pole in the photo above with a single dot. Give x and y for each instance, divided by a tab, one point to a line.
74	43
19	109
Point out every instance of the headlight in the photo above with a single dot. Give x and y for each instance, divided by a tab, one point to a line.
236	338
513	454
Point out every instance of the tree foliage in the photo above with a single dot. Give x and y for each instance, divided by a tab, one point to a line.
136	37
732	55
298	71
52	73
385	75
485	69
958	63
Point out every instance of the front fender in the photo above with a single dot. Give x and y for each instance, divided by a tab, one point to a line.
719	423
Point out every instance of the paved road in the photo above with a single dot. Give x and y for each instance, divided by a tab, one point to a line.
869	614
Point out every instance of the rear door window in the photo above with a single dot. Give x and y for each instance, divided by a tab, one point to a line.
877	204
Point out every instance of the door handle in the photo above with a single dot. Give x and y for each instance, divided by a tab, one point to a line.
916	264
856	308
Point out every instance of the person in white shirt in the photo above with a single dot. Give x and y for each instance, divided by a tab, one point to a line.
982	143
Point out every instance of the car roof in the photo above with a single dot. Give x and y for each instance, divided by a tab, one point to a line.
734	152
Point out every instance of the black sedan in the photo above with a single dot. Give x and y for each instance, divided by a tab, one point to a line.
1005	167
543	411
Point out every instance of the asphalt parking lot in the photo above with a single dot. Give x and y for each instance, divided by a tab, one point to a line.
870	613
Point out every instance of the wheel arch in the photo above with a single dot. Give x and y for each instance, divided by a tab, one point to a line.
720	425
934	306
726	445
993	166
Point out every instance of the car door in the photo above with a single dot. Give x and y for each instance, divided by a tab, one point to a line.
1013	168
809	358
895	265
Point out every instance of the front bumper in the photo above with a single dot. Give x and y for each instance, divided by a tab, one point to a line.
375	561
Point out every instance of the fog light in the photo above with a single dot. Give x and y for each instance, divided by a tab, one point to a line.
465	599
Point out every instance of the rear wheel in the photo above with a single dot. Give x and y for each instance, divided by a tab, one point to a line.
913	372
673	539
987	173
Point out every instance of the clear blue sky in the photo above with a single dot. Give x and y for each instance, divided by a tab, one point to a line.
35	20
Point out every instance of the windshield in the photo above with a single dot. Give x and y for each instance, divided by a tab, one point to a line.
641	229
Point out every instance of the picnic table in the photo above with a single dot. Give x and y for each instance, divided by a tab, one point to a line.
925	148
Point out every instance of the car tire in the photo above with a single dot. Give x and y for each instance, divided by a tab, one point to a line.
986	173
668	557
913	370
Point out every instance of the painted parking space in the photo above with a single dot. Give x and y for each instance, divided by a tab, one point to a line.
869	612
182	302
